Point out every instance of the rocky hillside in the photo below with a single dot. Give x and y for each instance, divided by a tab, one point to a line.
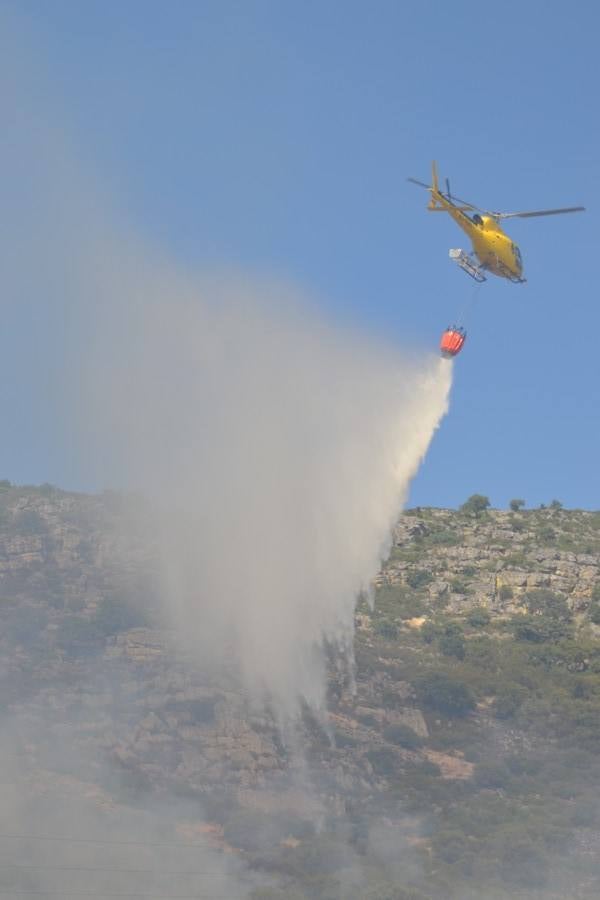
459	757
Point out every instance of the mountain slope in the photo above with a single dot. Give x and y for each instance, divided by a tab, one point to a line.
458	758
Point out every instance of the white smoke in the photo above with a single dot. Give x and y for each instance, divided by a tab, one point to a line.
277	447
279	450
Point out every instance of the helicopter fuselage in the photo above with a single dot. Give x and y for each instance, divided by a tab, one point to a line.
495	250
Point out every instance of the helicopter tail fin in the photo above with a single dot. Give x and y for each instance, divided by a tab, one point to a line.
435	187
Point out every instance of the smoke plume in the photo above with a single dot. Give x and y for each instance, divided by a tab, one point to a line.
276	447
278	450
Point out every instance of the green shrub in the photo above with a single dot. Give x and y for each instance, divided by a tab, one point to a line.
517	525
412	606
398	600
482	651
450	845
538	629
389	595
429	631
78	637
253	831
508	700
28	521
368	719
444	538
594	612
403	735
452	642
505	592
386	629
384	760
445	694
418	578
344	740
479	617
458	586
442	600
582	689
48	490
114	615
490	774
516	505
547	603
517	560
475	505
524	765
523	863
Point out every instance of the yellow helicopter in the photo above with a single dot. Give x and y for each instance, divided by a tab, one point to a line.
493	250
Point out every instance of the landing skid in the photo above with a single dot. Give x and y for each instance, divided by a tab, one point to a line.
468	264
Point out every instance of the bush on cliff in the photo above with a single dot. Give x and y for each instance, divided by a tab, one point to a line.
445	694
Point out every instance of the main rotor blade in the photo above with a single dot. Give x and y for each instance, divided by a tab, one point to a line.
420	183
465	205
538	212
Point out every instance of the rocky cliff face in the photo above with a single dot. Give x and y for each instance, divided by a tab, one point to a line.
443	747
472	559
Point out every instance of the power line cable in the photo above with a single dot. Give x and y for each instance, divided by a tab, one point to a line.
55	868
79	840
12	893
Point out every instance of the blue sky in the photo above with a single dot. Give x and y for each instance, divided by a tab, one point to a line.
276	137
